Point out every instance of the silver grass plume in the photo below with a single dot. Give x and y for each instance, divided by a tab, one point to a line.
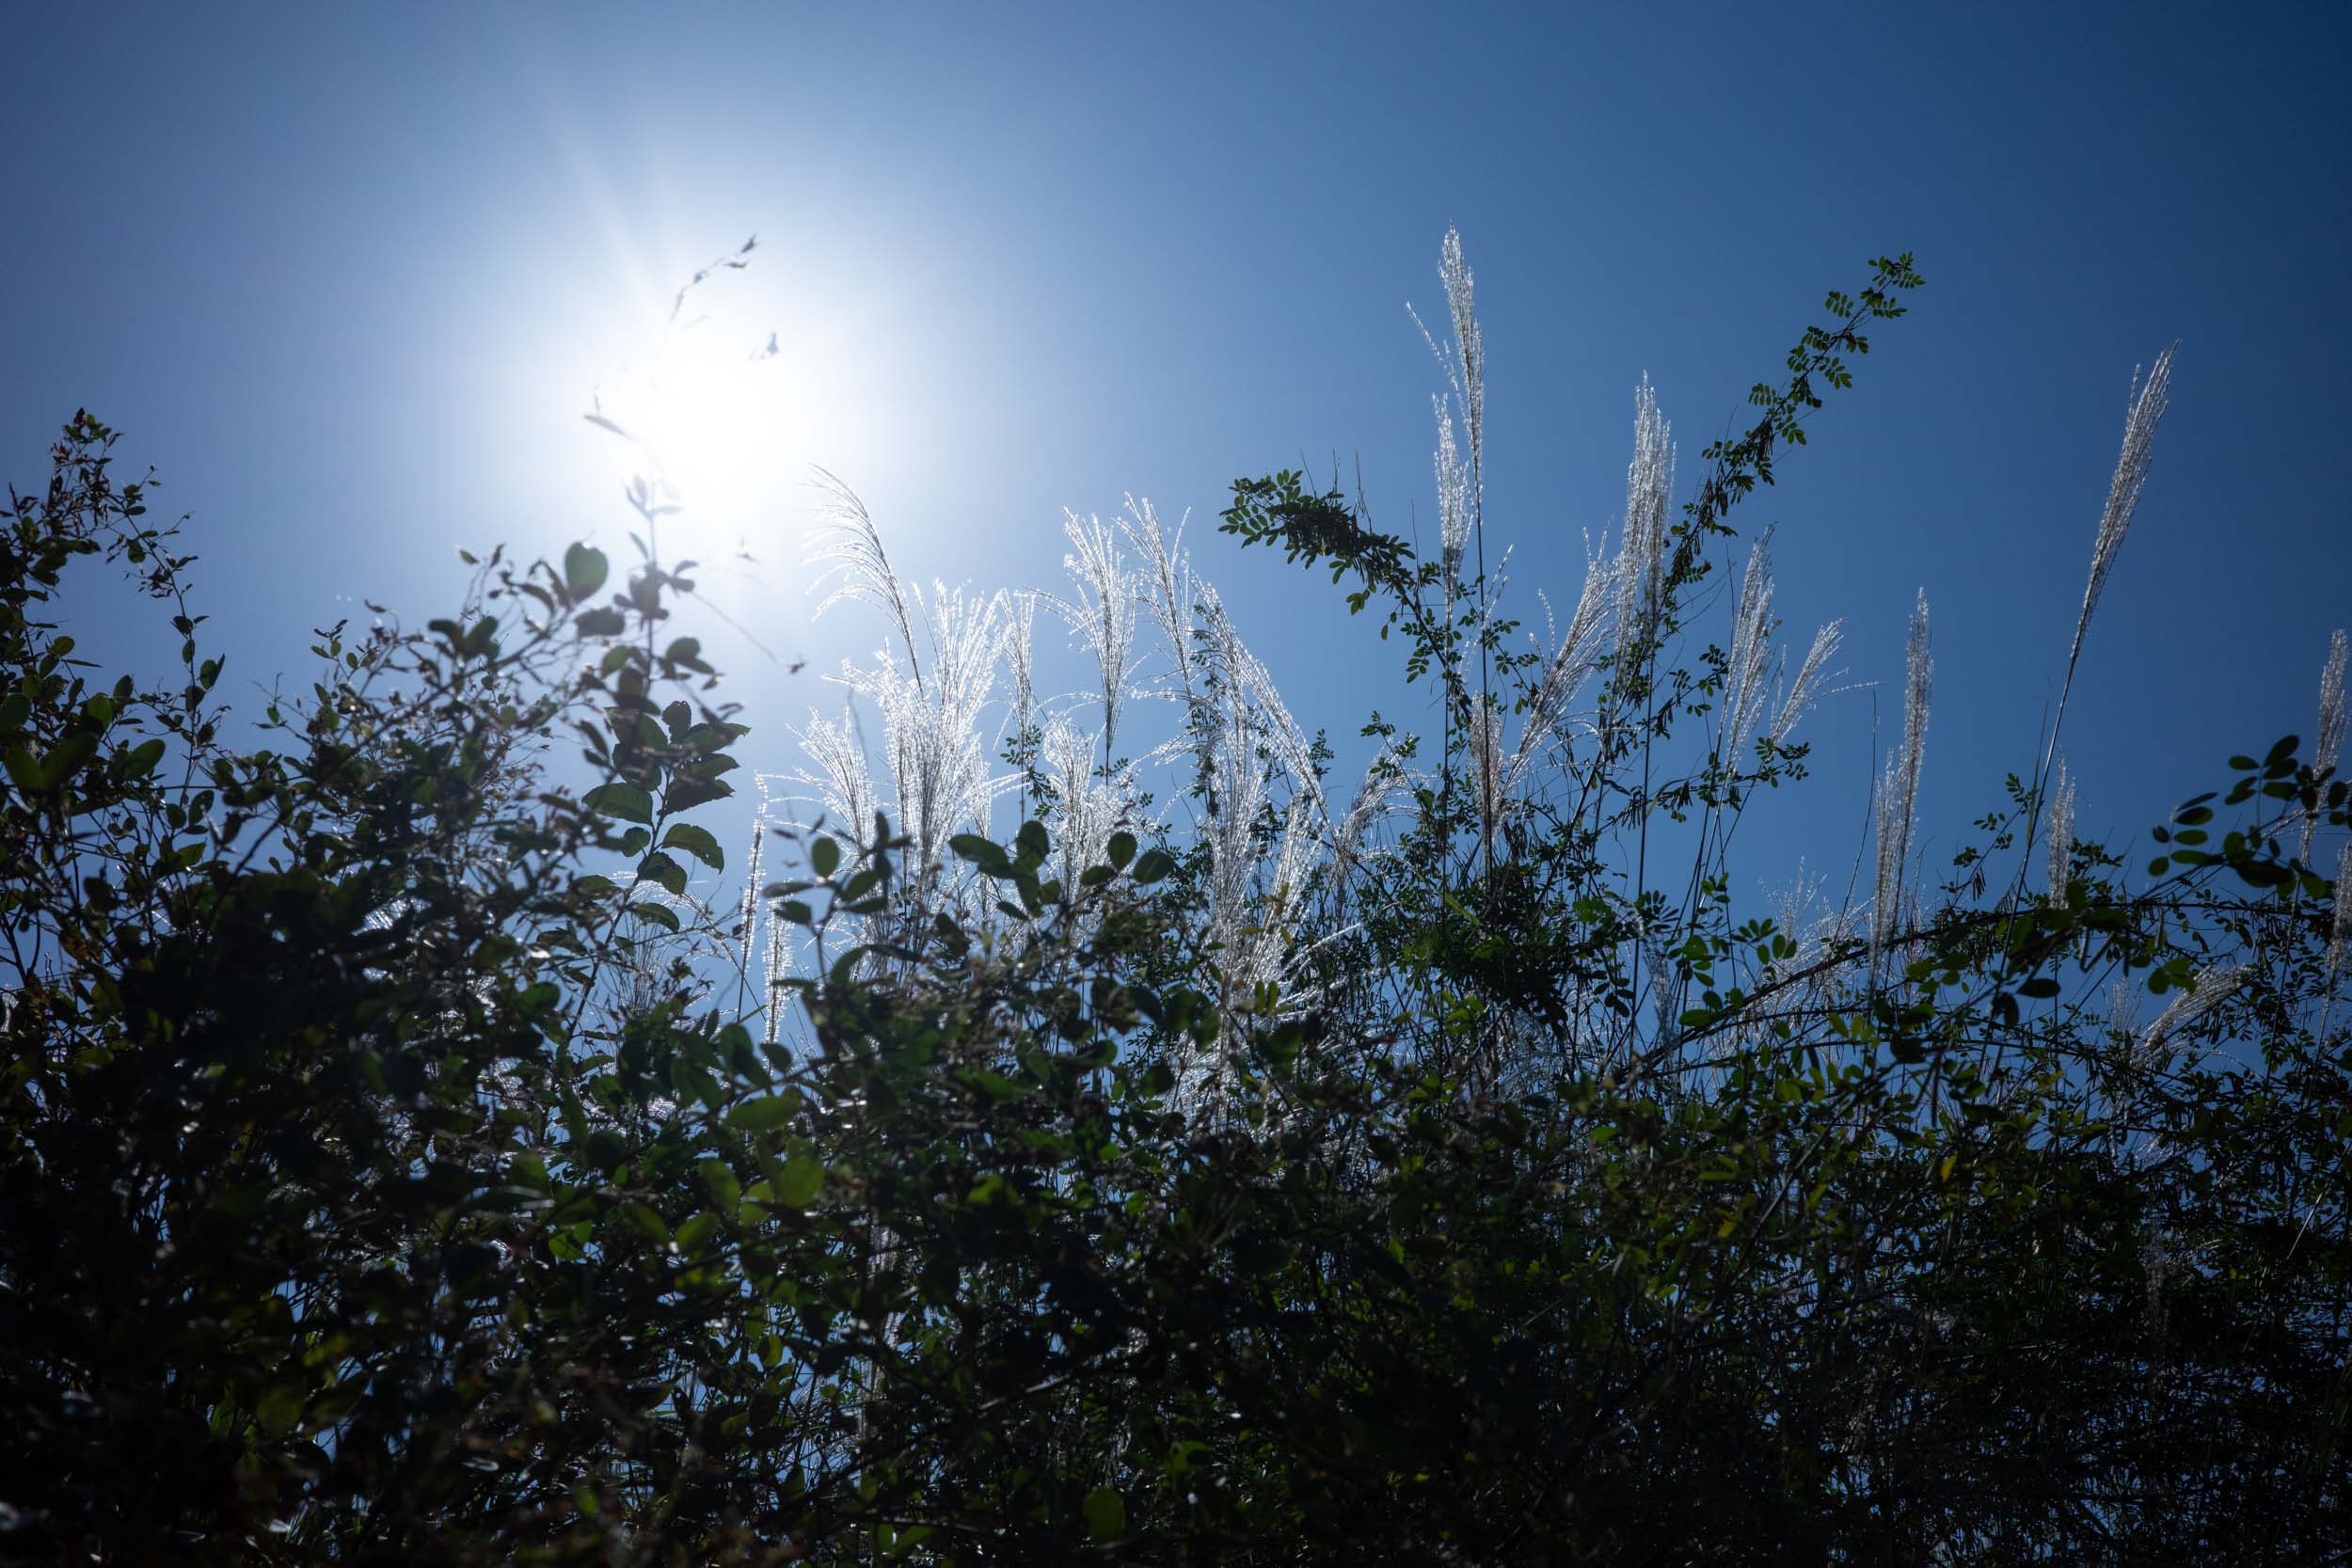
1087	807
1169	597
1239	783
2131	473
1465	371
1250	679
773	977
847	550
2341	937
2123	1009
1805	689
931	722
748	909
1485	747
2060	847
1898	792
1642	550
1020	671
1469	348
2331	722
1791	907
1573	658
1384	780
1233	841
1266	940
1464	360
1745	677
2145	414
843	782
1104	614
2332	713
1453	502
2207	989
1019	660
1667	985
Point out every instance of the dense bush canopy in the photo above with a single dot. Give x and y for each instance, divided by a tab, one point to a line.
398	1163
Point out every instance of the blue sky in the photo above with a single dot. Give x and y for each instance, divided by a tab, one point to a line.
349	275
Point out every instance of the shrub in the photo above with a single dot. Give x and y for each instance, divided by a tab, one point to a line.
400	1164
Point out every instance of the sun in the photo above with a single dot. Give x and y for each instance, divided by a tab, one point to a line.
714	422
709	413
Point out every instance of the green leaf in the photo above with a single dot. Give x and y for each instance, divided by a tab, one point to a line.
1154	865
686	794
621	798
665	872
824	855
65	759
659	914
585	570
142	758
1121	849
23	770
980	851
997	1085
644	1222
1107	1513
765	1115
280	1408
803	1177
725	1190
696	1232
696	842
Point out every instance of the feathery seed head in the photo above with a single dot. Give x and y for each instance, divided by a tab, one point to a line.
1383	780
931	724
1104	614
1805	689
2148	402
1641	548
1452	498
773	974
1469	344
847	550
1571	662
1021	654
1899	791
1170	597
2341	937
1744	680
2332	712
2061	845
1464	362
1089	807
843	783
748	911
2208	989
2328	741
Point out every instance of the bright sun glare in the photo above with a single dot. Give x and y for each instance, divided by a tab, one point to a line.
714	420
711	415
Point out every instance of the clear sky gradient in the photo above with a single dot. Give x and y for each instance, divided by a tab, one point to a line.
349	275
